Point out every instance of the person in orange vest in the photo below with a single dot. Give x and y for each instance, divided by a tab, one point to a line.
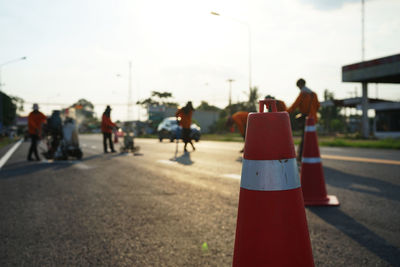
106	128
240	120
307	103
35	121
280	105
184	116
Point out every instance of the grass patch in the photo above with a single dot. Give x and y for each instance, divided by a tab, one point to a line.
329	141
4	141
388	143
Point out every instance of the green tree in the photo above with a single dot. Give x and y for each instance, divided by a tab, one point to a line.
254	96
158	99
8	110
205	106
330	118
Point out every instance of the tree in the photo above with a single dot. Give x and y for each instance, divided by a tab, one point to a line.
158	99
85	116
254	97
331	120
205	106
8	110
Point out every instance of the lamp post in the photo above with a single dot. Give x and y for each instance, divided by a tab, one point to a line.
6	63
249	35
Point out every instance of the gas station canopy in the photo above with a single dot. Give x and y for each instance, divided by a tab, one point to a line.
380	70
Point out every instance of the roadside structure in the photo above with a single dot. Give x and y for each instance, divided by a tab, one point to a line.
380	70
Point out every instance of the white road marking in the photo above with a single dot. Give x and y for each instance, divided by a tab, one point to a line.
84	145
9	153
82	166
164	161
93	147
232	176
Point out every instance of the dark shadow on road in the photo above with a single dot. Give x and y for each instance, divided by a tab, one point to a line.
359	233
21	168
348	181
183	159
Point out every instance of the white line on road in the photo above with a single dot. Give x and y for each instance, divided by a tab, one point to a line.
93	147
164	161
9	153
232	176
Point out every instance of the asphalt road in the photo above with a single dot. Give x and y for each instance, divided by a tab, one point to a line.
160	207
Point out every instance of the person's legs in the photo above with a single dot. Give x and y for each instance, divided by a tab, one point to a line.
186	138
33	147
111	142
105	142
300	149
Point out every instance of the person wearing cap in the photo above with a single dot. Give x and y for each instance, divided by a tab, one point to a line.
240	120
280	105
307	103
184	116
35	121
106	128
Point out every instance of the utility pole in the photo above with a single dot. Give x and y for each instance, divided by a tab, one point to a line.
362	31
129	111
230	90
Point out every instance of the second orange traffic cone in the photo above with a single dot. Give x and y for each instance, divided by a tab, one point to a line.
312	174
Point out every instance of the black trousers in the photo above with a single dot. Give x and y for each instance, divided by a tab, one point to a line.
302	123
33	147
107	136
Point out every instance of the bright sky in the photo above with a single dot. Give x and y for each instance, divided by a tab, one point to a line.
81	49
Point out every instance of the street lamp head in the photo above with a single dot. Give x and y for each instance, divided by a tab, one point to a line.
215	13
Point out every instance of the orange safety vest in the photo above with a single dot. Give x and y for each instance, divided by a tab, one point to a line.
240	119
307	103
106	124
35	121
186	119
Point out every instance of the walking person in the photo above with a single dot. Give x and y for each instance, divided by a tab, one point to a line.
35	121
307	103
184	116
240	120
106	128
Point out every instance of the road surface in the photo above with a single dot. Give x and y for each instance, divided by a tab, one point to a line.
162	207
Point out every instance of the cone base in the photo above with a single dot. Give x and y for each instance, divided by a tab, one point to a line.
329	201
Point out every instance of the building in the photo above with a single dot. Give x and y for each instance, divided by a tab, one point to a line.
380	70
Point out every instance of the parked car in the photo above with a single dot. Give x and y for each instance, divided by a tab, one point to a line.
169	129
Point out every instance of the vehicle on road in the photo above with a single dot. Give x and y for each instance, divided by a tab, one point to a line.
169	129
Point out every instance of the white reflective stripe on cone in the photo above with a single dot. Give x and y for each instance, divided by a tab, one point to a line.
270	175
311	160
310	128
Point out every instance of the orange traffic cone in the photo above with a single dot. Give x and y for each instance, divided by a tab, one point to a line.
271	225
312	175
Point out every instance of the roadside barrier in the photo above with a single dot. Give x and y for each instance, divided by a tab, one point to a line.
271	225
312	174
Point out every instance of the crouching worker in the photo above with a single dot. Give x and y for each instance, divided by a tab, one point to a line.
240	120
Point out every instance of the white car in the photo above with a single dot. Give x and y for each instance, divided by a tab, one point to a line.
169	129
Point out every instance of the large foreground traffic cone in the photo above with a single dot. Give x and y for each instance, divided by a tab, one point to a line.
312	174
271	225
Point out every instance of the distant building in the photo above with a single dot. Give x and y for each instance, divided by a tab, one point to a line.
386	122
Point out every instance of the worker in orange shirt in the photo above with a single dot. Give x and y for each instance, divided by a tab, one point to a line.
307	103
35	121
106	128
240	120
184	116
280	105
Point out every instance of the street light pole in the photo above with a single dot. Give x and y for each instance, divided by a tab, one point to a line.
230	90
249	36
6	63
